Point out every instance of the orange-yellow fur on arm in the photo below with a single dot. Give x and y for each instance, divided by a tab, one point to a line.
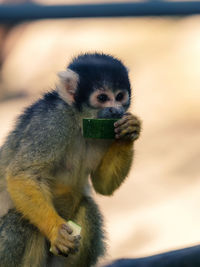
113	168
33	200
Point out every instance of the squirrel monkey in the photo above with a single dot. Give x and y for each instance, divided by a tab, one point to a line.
46	164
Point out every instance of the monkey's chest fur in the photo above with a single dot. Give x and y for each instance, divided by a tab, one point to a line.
72	180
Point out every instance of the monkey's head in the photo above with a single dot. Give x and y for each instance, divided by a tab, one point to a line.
96	84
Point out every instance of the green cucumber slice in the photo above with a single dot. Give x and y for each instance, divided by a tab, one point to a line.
99	128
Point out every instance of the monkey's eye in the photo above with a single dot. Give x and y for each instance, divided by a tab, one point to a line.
119	97
102	98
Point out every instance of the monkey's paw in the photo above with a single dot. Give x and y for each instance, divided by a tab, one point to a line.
64	243
128	127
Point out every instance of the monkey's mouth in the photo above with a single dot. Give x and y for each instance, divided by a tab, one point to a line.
110	113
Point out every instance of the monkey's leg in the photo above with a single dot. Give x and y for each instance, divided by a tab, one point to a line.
92	245
21	244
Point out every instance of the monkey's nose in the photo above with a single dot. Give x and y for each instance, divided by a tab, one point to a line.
111	110
116	112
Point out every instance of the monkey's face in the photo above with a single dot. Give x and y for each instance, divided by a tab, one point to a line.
109	103
97	85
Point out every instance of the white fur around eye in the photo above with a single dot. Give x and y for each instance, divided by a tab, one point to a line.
94	101
125	98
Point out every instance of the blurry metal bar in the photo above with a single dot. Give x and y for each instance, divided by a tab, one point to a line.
32	11
188	257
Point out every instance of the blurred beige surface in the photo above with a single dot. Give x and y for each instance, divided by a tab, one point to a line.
157	208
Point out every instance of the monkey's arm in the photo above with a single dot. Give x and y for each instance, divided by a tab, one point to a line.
33	199
113	168
116	163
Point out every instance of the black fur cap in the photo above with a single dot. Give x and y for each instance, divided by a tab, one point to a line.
97	70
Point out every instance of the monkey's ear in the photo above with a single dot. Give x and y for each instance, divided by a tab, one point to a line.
68	85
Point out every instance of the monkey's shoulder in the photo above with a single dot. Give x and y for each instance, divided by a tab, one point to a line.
41	133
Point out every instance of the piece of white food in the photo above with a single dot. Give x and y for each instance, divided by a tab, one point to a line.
75	227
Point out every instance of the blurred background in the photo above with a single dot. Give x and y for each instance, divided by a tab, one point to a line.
157	208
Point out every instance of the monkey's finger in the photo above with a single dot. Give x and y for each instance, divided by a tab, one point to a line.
66	228
73	251
64	240
70	245
77	242
126	118
122	120
77	237
53	249
132	136
67	243
129	130
129	123
64	235
130	116
63	254
63	250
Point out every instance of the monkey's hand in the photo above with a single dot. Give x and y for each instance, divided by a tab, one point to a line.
63	243
128	127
